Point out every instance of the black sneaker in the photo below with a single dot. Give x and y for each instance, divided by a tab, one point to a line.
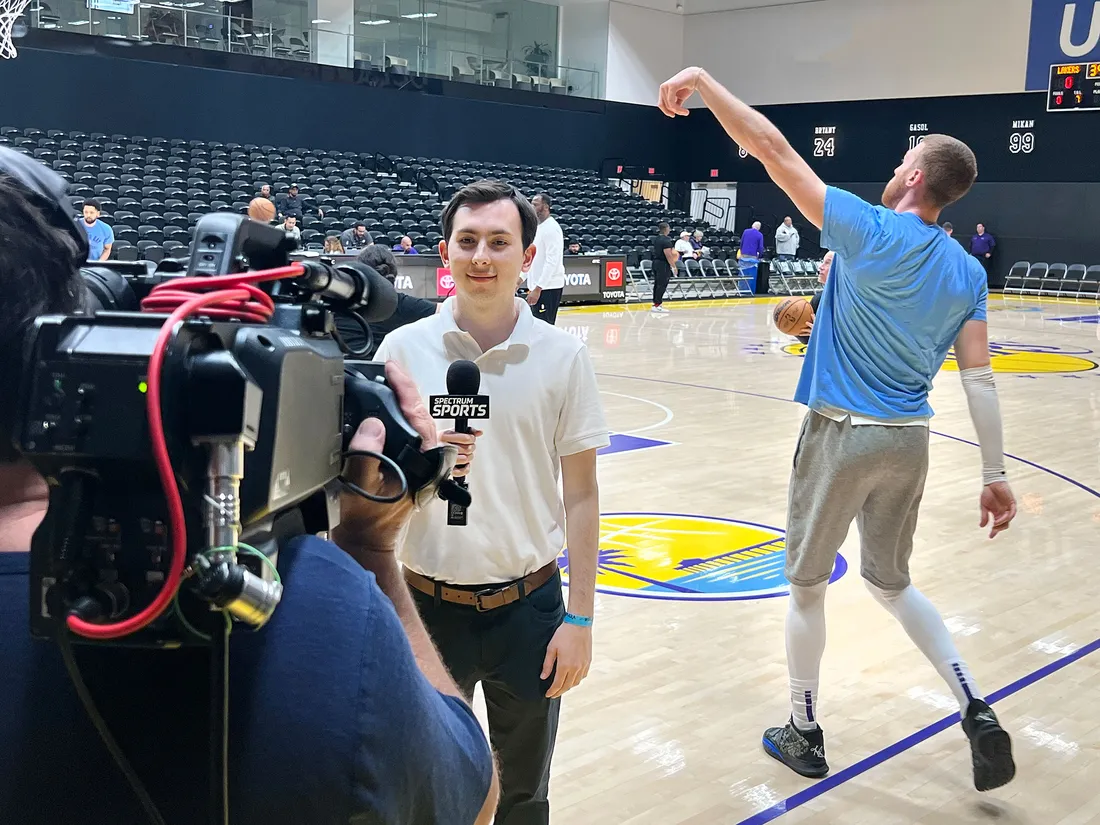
990	747
803	751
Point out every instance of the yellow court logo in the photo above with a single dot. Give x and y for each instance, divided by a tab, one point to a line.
688	557
1021	359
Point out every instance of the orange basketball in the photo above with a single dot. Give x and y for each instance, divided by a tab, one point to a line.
261	209
792	314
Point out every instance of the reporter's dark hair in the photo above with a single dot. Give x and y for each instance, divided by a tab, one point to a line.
37	277
491	191
381	259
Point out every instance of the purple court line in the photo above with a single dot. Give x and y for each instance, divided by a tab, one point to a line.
1037	466
890	751
852	771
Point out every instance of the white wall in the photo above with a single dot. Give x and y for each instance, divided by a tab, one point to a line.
644	48
861	49
583	31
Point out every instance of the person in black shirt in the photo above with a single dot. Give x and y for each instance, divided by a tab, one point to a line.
409	307
665	257
291	203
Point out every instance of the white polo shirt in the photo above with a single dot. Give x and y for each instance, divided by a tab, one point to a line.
543	404
548	268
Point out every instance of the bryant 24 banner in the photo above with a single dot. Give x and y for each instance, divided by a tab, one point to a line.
1061	32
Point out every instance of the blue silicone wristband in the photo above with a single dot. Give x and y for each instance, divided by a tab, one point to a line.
580	621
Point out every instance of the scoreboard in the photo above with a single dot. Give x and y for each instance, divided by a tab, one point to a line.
1017	138
1074	87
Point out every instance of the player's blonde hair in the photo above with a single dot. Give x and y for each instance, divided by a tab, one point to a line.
949	167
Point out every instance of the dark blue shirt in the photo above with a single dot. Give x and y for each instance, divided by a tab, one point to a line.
331	721
981	244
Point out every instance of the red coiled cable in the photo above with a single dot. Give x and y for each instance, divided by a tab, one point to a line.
234	296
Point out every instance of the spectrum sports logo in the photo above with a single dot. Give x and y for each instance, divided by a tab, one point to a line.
1021	359
690	558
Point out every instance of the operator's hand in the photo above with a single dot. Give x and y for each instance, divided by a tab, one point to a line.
533	295
676	90
997	502
466	444
368	524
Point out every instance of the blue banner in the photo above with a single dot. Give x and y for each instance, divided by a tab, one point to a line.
1061	32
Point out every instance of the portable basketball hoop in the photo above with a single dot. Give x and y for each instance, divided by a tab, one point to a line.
10	10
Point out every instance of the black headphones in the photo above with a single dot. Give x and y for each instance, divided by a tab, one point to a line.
51	192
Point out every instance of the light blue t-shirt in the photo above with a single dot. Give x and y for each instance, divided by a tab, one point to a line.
99	235
898	294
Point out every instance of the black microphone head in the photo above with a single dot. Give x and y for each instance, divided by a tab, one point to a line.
379	300
463	378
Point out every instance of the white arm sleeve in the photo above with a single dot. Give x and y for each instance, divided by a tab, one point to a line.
985	412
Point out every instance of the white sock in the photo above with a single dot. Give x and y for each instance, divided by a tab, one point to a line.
926	628
805	647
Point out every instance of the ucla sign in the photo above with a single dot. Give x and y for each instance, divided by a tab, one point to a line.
1061	32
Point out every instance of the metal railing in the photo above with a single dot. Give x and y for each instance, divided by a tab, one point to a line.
183	24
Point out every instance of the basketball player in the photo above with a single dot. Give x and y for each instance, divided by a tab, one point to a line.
489	591
863	451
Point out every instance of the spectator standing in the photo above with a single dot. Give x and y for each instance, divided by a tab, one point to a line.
357	237
752	242
100	236
982	246
949	228
406	246
786	240
752	247
546	278
664	256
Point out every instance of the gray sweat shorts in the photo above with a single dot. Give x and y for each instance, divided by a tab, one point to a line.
870	473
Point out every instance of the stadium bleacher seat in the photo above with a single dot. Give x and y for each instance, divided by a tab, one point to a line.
152	190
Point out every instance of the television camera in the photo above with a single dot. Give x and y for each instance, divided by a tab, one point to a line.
181	453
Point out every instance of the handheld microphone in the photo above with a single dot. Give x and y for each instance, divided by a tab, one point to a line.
350	285
461	403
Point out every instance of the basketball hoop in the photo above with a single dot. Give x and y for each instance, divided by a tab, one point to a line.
10	10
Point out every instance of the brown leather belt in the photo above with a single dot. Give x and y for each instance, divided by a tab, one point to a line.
487	598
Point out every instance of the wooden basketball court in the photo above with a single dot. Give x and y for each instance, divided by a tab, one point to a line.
690	665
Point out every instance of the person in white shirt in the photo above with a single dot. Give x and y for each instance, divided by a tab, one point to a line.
546	279
786	240
489	591
684	247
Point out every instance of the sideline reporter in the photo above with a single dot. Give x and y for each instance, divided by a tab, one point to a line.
340	709
490	591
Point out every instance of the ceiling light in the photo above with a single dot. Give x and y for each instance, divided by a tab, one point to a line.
418	15
320	20
373	22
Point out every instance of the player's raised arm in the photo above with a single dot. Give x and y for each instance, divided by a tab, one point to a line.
755	134
976	372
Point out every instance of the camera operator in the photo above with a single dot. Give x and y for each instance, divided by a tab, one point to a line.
340	709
